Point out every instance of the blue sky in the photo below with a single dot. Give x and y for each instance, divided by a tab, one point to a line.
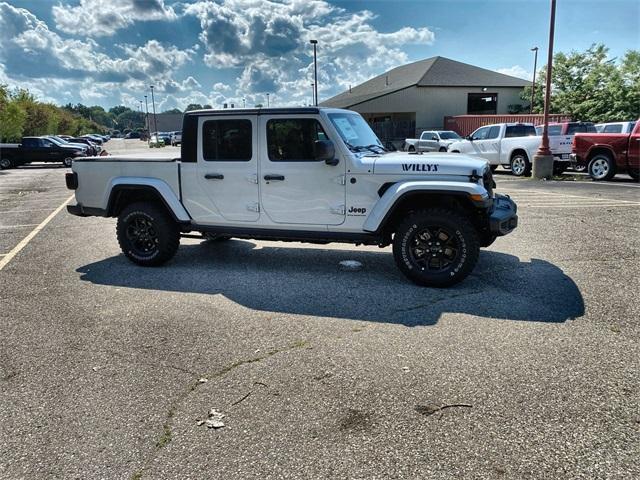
196	51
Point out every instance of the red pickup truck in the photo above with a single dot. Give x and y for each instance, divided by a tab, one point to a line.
605	154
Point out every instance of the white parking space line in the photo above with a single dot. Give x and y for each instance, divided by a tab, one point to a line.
19	226
25	241
24	211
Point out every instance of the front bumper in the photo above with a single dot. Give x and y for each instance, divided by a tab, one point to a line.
503	218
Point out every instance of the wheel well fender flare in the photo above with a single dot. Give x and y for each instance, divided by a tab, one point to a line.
399	192
141	188
599	148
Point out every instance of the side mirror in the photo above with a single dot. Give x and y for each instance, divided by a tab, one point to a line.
469	137
324	150
434	138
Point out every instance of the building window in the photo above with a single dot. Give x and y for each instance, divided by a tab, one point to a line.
482	103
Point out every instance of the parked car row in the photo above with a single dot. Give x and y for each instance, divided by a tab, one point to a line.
167	138
601	150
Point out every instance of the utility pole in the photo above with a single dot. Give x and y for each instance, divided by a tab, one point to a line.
155	119
147	122
315	71
267	100
543	159
533	84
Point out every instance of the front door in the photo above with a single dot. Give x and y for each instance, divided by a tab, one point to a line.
222	187
295	188
428	142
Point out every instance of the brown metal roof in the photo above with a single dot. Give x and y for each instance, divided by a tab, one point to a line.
431	72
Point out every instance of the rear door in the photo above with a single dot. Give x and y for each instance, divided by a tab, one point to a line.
295	188
222	186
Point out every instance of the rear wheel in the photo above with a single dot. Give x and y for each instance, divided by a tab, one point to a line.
601	167
493	167
412	149
579	168
436	247
520	165
5	163
442	149
147	235
634	174
67	161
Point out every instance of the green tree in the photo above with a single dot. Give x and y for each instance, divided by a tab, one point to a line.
193	106
12	117
173	110
590	86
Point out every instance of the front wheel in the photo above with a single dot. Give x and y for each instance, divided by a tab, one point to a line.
442	149
147	235
5	163
436	247
520	165
67	161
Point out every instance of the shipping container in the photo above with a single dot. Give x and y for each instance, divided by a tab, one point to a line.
465	124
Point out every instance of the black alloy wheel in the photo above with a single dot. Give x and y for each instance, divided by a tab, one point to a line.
437	247
147	235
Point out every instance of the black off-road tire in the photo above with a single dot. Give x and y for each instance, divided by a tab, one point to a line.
216	237
5	163
601	167
161	236
520	165
493	167
442	149
411	149
409	240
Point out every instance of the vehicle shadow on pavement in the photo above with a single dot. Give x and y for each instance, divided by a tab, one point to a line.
308	281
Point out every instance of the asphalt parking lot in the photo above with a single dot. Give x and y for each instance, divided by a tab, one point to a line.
528	369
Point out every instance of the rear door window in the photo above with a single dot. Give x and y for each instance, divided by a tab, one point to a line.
227	141
494	132
520	131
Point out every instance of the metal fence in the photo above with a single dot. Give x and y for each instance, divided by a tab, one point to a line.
394	131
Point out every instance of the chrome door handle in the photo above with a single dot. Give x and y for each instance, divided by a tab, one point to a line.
214	176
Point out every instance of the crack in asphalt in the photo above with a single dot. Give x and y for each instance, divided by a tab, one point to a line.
165	437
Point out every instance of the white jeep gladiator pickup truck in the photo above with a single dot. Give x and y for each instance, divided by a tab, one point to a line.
513	146
300	174
431	141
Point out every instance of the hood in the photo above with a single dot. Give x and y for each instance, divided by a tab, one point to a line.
428	164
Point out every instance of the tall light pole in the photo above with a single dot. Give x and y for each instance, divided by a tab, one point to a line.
148	126
244	103
267	100
543	159
153	104
313	94
533	84
315	71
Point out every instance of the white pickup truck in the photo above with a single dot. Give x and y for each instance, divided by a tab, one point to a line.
431	141
513	146
299	174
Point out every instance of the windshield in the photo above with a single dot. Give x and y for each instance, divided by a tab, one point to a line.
449	136
355	131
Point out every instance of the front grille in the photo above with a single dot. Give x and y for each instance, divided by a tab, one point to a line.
487	182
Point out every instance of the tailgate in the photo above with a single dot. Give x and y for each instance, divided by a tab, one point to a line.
560	146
